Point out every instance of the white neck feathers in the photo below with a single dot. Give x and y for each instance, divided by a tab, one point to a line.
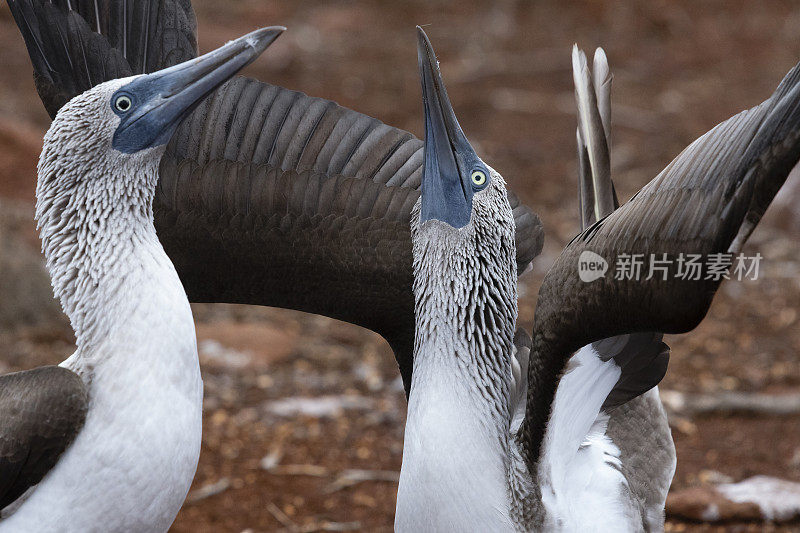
457	450
94	212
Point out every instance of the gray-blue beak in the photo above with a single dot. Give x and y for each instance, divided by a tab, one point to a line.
447	190
152	106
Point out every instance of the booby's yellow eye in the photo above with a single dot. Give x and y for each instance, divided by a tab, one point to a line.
478	177
122	103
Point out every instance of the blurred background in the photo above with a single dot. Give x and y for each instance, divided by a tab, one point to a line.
304	415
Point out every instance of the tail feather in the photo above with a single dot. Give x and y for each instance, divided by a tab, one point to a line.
642	357
602	87
597	196
519	367
77	44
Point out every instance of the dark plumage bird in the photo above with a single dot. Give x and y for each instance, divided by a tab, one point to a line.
267	196
477	454
109	440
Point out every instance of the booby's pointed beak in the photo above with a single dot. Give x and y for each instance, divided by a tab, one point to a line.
446	187
151	106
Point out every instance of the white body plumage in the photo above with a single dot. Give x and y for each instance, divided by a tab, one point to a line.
130	467
582	487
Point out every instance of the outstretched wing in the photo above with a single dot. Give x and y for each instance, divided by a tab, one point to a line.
300	203
706	202
77	44
41	413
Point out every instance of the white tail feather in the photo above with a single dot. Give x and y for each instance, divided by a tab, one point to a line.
579	472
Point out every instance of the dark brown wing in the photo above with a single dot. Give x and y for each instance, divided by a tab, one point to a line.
68	57
77	44
41	413
268	196
707	201
251	234
153	34
264	126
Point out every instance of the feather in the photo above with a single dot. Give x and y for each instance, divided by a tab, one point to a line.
642	359
597	193
73	46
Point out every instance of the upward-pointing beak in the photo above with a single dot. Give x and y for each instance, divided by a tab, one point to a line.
159	101
446	189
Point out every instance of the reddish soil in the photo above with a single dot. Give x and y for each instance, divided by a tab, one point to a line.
679	68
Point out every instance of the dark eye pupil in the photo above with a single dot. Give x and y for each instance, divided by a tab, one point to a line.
123	104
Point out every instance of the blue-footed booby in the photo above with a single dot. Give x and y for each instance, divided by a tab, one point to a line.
479	453
109	440
266	196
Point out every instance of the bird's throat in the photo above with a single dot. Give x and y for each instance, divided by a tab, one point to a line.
456	448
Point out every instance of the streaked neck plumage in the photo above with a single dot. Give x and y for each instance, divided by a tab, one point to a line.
94	213
131	465
457	448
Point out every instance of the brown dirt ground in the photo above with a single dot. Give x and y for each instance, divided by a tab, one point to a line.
680	67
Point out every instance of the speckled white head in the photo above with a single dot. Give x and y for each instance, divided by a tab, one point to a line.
466	277
93	201
99	166
463	237
82	177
